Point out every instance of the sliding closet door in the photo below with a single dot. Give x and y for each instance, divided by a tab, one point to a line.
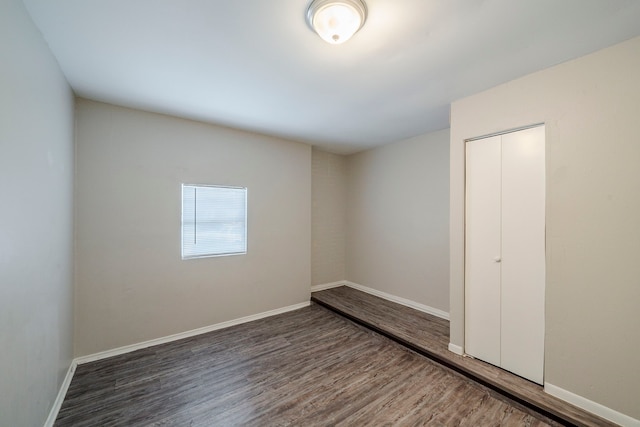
483	248
523	253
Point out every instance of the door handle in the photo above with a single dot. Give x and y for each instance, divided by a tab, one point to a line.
497	259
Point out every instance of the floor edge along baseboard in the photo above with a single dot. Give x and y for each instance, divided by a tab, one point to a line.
389	297
456	349
399	300
187	334
64	387
325	286
591	406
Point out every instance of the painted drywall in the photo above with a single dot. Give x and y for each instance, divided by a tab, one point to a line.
590	107
36	222
329	217
131	283
398	219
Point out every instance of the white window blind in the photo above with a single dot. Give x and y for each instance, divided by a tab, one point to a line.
214	221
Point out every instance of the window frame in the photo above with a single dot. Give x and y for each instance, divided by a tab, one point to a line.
182	222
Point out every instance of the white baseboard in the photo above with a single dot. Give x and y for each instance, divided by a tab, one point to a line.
402	301
325	286
133	347
591	406
57	404
456	349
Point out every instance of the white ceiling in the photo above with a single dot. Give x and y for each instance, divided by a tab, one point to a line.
255	65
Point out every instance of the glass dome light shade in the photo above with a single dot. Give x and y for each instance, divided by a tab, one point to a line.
336	21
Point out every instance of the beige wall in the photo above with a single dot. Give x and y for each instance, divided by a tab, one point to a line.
36	222
591	108
131	284
398	219
329	217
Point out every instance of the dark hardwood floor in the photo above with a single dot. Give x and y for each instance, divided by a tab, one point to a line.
429	335
308	367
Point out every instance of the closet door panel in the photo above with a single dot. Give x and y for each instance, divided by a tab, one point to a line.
482	249
523	253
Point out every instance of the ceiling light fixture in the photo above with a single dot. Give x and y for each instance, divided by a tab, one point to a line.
336	20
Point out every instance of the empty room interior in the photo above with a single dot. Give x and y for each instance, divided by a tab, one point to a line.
320	212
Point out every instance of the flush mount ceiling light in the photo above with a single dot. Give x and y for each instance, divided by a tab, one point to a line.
336	20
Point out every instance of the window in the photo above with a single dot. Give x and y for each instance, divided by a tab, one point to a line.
214	221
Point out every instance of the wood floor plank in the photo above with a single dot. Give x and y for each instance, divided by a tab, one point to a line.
308	367
429	335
